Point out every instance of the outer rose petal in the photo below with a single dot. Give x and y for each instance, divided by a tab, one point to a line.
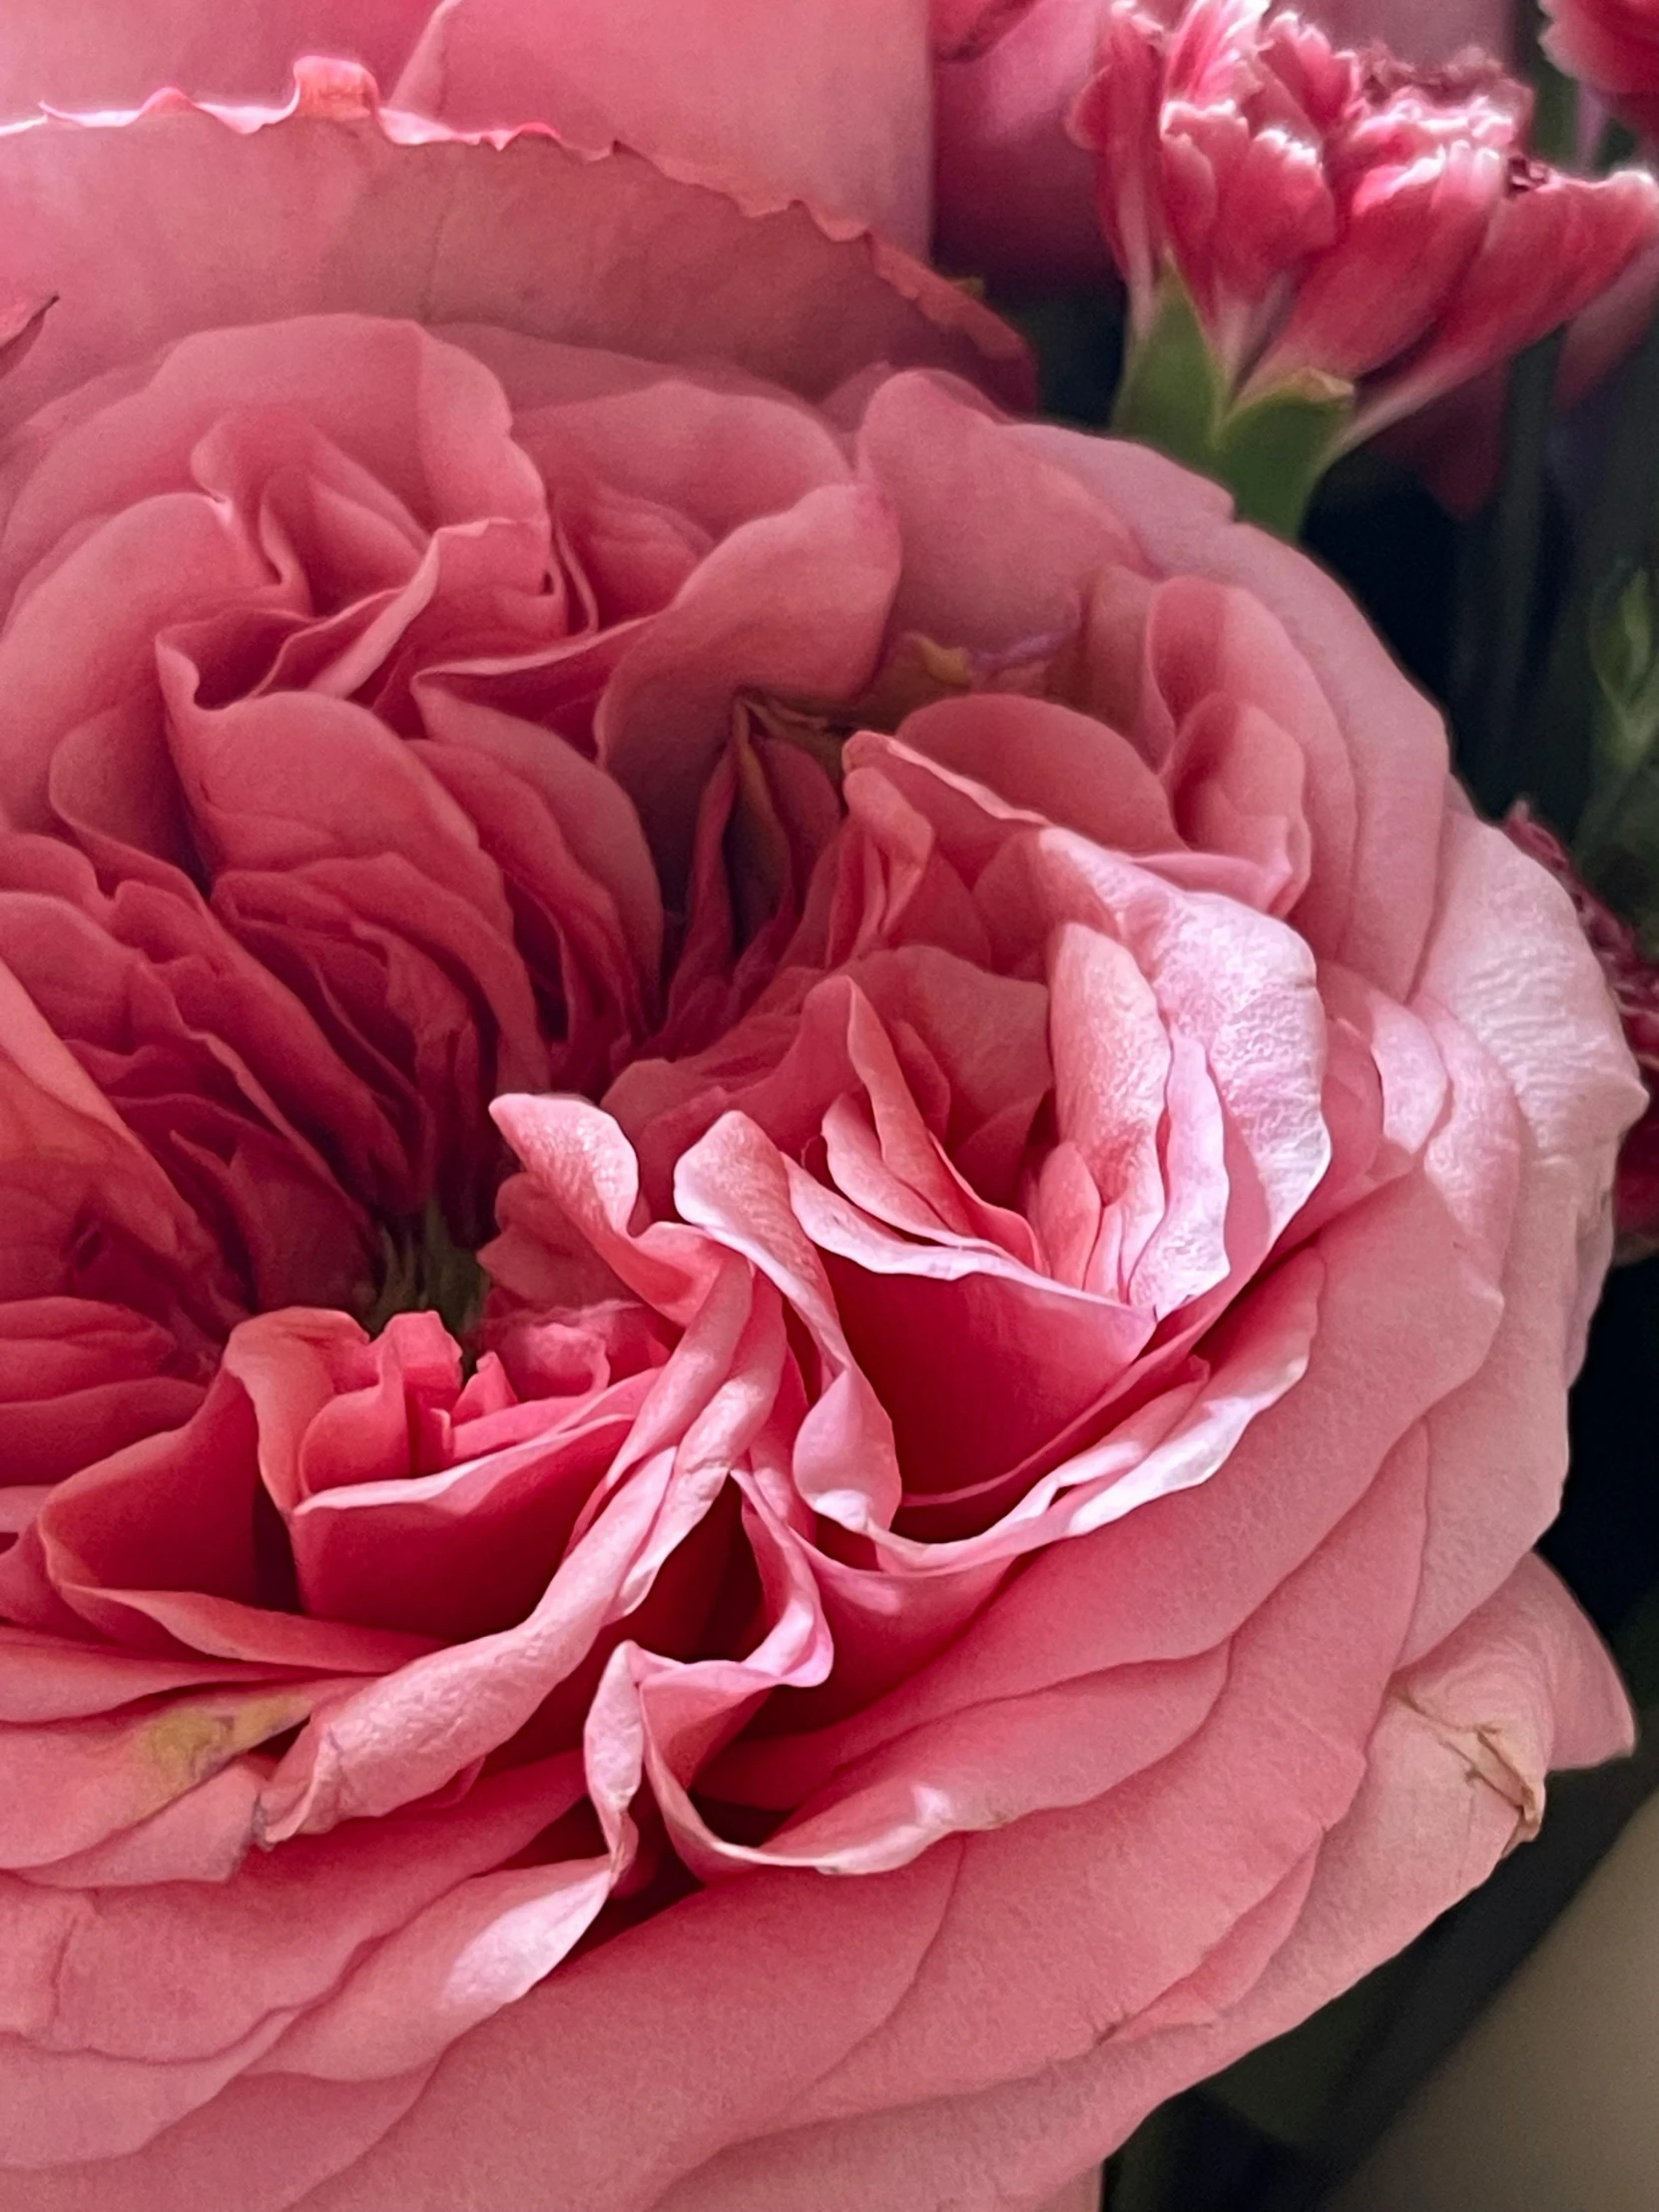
1427	1827
1534	999
113	54
484	2134
826	101
263	2144
292	212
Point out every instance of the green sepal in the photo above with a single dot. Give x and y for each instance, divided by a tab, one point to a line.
1274	450
1269	450
1173	395
423	1270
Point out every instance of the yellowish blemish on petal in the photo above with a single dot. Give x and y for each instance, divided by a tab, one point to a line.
189	1743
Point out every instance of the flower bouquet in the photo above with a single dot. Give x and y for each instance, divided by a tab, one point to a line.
793	1210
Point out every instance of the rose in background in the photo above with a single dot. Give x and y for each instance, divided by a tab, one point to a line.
1060	1176
1613	47
958	125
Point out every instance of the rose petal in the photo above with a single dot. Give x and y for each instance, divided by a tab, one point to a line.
588	250
829	105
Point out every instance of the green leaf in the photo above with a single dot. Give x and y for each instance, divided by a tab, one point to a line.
1624	657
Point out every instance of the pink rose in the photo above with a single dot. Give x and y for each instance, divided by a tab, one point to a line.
1060	1176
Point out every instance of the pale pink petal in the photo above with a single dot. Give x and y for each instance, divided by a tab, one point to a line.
393	1741
1059	765
720	452
998	553
78	1380
891	1958
605	251
1430	1820
736	1184
1555	1038
795	604
991	1764
264	2143
446	1968
45	1678
70	1785
203	1835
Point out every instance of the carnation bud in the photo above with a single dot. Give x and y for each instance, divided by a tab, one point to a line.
1342	237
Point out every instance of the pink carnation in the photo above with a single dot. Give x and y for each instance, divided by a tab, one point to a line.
1047	1178
1341	213
1346	188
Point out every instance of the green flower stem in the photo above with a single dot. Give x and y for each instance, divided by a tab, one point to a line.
1499	588
1615	537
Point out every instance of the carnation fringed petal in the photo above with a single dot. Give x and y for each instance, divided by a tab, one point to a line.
752	1127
